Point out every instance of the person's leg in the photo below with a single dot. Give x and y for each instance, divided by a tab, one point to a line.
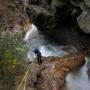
40	61
37	59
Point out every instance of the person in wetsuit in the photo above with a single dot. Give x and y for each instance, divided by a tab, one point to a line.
38	54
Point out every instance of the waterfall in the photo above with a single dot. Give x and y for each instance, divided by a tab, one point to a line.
35	39
80	80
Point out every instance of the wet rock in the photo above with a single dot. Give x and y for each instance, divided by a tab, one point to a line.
51	74
34	73
88	72
83	6
76	2
87	2
84	21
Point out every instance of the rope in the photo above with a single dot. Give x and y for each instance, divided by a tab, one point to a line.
24	79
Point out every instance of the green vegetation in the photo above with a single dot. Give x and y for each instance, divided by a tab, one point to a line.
11	74
12	55
11	46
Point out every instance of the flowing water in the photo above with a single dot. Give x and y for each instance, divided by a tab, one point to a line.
35	39
80	80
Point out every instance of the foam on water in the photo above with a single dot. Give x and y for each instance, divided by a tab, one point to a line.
52	51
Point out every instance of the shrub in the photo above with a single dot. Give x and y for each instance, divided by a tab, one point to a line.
11	46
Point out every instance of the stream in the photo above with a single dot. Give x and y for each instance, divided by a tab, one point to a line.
35	39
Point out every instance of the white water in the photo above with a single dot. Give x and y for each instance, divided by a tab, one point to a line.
80	80
35	39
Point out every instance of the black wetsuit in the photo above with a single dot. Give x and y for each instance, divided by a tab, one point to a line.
38	54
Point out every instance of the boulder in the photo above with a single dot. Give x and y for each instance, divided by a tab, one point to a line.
84	21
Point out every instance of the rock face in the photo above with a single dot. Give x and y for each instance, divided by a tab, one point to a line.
47	15
51	74
12	15
57	19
